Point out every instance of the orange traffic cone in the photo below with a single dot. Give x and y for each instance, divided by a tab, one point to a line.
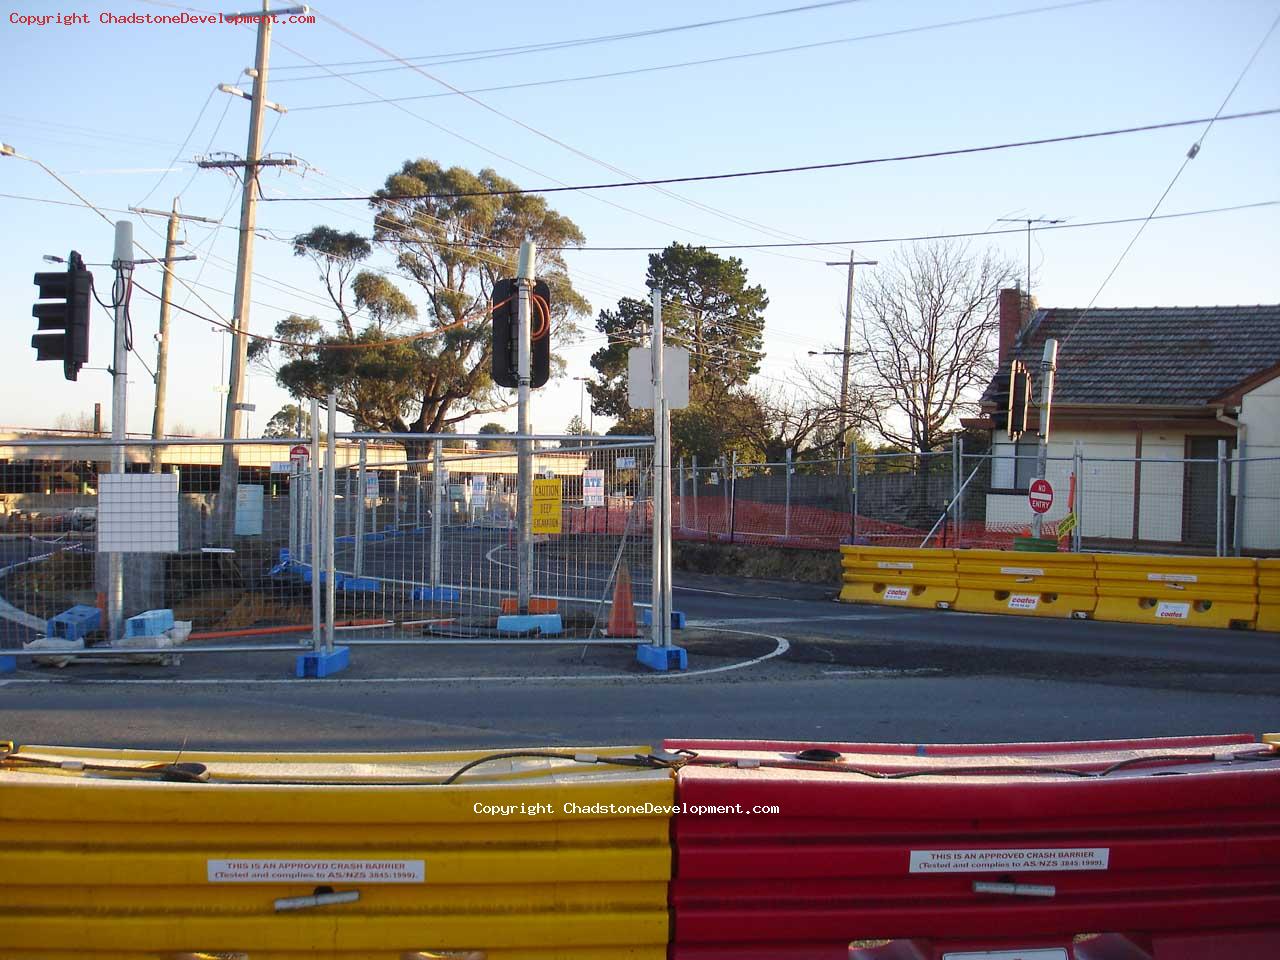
622	613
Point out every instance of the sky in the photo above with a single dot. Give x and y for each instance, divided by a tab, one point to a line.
111	107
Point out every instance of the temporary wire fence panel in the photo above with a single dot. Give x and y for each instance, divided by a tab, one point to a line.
885	842
65	514
104	854
430	544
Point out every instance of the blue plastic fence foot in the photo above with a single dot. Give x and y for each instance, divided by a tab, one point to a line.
547	624
678	620
445	594
323	664
662	658
8	664
359	585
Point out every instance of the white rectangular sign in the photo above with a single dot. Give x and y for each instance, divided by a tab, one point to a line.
897	593
138	513
593	488
282	466
1022	571
371	486
316	871
625	463
1169	610
1173	577
248	510
1024	601
675	377
890	565
479	492
1010	860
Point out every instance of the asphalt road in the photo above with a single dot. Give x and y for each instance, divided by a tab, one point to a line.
767	660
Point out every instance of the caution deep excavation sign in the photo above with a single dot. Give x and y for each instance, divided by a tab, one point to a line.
546	505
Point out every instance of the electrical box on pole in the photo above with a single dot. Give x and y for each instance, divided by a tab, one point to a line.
505	328
64	318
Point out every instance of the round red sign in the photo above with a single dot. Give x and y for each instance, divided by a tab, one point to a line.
299	452
1040	496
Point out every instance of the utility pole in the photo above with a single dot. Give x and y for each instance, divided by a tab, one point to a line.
524	460
230	473
1048	367
162	337
848	347
1028	221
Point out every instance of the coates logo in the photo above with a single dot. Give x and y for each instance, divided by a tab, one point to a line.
1024	601
1173	611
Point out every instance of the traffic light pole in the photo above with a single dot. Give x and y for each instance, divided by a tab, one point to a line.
1048	367
524	460
122	263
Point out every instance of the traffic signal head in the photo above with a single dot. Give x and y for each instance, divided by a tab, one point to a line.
1019	400
506	328
64	317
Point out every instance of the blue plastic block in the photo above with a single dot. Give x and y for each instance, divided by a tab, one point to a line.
323	664
662	658
547	624
374	537
149	623
443	594
346	539
360	585
75	623
678	621
8	664
284	555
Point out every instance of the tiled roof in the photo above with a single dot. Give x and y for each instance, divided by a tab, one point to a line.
1151	355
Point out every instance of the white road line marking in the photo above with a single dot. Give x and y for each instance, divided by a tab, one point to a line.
882	672
848	618
782	645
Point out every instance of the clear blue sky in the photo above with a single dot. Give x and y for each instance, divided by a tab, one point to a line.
108	105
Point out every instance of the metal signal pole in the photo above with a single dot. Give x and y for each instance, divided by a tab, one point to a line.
524	460
1048	367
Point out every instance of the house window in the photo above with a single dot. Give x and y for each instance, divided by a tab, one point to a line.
1014	465
1026	455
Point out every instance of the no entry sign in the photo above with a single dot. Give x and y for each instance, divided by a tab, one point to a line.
1040	495
299	452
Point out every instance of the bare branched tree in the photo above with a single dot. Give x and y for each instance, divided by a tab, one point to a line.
929	316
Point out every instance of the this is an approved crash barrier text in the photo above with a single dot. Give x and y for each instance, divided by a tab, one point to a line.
1132	588
1192	591
1169	846
898	576
107	853
1031	584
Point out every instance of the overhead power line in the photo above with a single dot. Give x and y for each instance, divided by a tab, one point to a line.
490	53
727	58
805	168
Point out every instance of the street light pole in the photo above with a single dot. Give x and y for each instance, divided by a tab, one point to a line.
582	394
848	346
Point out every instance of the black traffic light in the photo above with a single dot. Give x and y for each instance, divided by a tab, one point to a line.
506	351
1011	394
64	320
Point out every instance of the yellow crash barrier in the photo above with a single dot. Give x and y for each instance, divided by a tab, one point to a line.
1029	584
1190	591
901	576
113	854
1269	595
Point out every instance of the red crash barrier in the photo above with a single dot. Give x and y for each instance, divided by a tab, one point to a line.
956	849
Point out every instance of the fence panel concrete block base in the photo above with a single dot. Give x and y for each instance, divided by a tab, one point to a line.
662	658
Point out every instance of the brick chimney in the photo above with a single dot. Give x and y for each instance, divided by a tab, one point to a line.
1010	321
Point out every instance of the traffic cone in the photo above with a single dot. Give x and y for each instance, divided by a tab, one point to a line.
622	613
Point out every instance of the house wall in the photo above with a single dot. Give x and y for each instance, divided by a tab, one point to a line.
1106	488
1259	510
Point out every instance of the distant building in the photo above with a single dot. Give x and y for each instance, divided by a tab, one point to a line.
1149	394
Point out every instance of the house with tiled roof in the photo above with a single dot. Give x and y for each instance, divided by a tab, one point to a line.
1151	398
